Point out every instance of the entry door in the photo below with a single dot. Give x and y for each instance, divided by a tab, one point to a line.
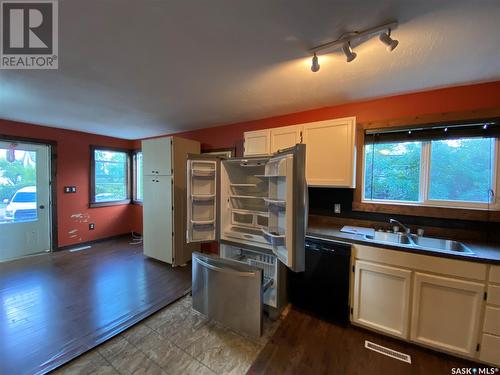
24	199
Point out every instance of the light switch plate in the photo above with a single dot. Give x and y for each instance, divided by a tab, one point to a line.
336	208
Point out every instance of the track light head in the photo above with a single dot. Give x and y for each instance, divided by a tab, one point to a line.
348	52
388	41
315	64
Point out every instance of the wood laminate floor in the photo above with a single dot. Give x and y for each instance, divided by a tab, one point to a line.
304	345
53	307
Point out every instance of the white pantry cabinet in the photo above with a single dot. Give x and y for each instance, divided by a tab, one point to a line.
157	156
330	149
158	217
382	298
257	143
164	201
446	313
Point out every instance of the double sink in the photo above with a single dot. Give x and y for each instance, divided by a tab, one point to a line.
419	242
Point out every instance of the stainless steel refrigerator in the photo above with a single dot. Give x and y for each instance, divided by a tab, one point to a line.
257	209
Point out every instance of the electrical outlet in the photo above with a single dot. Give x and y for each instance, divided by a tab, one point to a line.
70	189
91	226
336	208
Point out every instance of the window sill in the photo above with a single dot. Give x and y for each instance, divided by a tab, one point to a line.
111	203
140	203
428	211
437	204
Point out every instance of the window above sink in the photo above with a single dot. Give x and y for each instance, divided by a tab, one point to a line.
446	166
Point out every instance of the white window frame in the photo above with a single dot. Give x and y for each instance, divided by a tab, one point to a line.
424	182
136	177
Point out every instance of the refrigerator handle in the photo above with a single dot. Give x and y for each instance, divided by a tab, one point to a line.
306	206
224	270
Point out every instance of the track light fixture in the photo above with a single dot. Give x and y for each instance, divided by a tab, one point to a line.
388	41
344	42
348	52
315	64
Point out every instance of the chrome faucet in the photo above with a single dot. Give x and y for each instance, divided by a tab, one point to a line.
406	229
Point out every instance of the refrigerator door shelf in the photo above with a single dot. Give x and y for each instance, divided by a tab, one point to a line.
203	197
274	237
275	202
203	172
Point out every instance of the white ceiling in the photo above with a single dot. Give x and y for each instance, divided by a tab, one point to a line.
134	69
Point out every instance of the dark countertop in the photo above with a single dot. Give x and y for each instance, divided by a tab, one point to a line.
483	252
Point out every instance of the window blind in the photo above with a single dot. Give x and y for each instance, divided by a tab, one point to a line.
483	129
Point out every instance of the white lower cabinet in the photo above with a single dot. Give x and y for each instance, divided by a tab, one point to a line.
382	298
446	313
434	302
490	349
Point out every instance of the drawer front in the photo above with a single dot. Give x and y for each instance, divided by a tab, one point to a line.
495	274
229	292
492	320
494	295
490	349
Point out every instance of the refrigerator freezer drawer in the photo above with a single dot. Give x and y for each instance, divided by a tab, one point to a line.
228	292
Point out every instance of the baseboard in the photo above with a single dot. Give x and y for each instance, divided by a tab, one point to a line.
79	244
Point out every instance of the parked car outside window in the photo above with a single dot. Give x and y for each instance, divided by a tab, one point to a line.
22	206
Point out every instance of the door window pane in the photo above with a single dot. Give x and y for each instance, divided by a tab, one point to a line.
17	185
392	171
461	169
110	179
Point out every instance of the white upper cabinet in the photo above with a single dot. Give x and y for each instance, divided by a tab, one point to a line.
330	149
446	313
330	152
157	156
282	138
257	143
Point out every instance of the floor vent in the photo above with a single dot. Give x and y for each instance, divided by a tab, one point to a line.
388	352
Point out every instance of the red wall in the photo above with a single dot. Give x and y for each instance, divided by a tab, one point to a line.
73	168
73	149
454	99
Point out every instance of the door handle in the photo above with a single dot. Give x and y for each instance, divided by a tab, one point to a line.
41	207
223	270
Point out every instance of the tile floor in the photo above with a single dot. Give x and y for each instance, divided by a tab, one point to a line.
175	340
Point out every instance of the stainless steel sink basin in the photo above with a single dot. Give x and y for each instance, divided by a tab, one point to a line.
417	242
441	244
397	238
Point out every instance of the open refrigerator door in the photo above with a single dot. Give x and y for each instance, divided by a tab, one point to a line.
287	206
202	199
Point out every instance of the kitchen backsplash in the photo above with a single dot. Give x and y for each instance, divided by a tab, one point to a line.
322	201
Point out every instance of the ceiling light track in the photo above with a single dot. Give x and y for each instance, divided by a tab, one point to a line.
344	42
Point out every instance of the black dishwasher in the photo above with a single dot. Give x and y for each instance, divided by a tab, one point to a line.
323	289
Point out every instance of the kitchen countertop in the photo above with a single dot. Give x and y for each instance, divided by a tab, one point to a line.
483	252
